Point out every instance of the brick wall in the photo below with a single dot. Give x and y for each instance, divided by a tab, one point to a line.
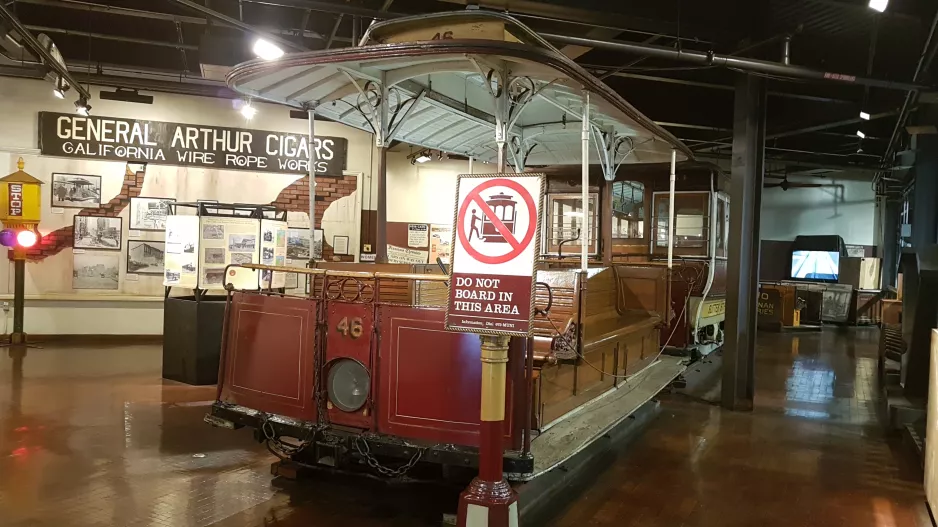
57	240
295	198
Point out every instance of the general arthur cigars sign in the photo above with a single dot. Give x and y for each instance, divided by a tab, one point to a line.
159	142
495	242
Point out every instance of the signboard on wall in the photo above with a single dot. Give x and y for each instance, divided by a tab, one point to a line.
494	253
165	143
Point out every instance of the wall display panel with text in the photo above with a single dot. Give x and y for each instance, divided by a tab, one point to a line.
273	252
181	265
238	239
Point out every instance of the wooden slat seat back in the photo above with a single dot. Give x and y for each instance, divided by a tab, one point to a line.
559	288
618	304
643	288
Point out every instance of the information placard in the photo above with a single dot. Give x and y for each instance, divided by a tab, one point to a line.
496	229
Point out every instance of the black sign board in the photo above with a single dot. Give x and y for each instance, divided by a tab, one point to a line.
137	141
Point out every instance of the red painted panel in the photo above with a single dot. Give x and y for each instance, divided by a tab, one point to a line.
349	334
269	355
430	379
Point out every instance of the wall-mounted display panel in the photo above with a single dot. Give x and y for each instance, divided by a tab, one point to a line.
239	240
273	252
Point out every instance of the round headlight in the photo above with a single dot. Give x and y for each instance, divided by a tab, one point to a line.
349	385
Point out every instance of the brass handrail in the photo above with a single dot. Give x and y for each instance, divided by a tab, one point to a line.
344	274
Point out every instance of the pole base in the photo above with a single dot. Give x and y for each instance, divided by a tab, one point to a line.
488	504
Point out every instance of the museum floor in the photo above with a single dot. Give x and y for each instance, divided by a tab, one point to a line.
94	437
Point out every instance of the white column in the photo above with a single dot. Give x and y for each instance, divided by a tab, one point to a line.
311	112
671	210
585	137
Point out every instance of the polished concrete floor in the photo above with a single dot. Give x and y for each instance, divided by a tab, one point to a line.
91	436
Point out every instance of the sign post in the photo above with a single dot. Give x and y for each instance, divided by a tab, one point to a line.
496	233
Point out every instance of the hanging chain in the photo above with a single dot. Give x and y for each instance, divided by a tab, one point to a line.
364	449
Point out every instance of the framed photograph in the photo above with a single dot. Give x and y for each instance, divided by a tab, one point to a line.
298	243
149	214
214	256
316	249
145	257
242	242
97	232
76	191
214	277
340	245
95	270
211	231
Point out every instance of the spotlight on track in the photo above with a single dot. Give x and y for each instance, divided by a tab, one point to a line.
82	107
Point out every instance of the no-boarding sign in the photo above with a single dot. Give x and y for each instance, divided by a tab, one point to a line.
496	234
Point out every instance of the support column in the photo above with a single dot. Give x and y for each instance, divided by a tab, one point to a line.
743	269
585	182
605	221
382	237
925	204
890	254
311	114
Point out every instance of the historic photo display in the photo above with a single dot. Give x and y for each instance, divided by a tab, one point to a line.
77	191
149	214
95	270
145	257
97	232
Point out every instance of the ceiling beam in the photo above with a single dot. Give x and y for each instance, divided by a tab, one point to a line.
81	5
604	71
247	28
722	143
117	38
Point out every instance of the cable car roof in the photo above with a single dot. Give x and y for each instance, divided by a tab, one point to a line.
438	70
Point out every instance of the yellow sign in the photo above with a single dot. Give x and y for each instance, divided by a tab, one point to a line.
713	308
20	202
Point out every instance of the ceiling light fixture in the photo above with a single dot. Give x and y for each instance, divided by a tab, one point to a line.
248	110
82	107
422	158
879	5
861	135
60	88
865	116
267	50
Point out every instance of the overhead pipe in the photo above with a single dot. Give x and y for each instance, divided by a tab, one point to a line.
329	7
48	60
117	38
924	62
740	63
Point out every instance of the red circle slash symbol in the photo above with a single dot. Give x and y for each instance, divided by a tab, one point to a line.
517	247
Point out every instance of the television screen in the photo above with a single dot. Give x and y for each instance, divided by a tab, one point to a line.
815	265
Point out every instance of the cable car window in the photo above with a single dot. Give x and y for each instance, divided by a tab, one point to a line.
628	210
565	220
691	223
